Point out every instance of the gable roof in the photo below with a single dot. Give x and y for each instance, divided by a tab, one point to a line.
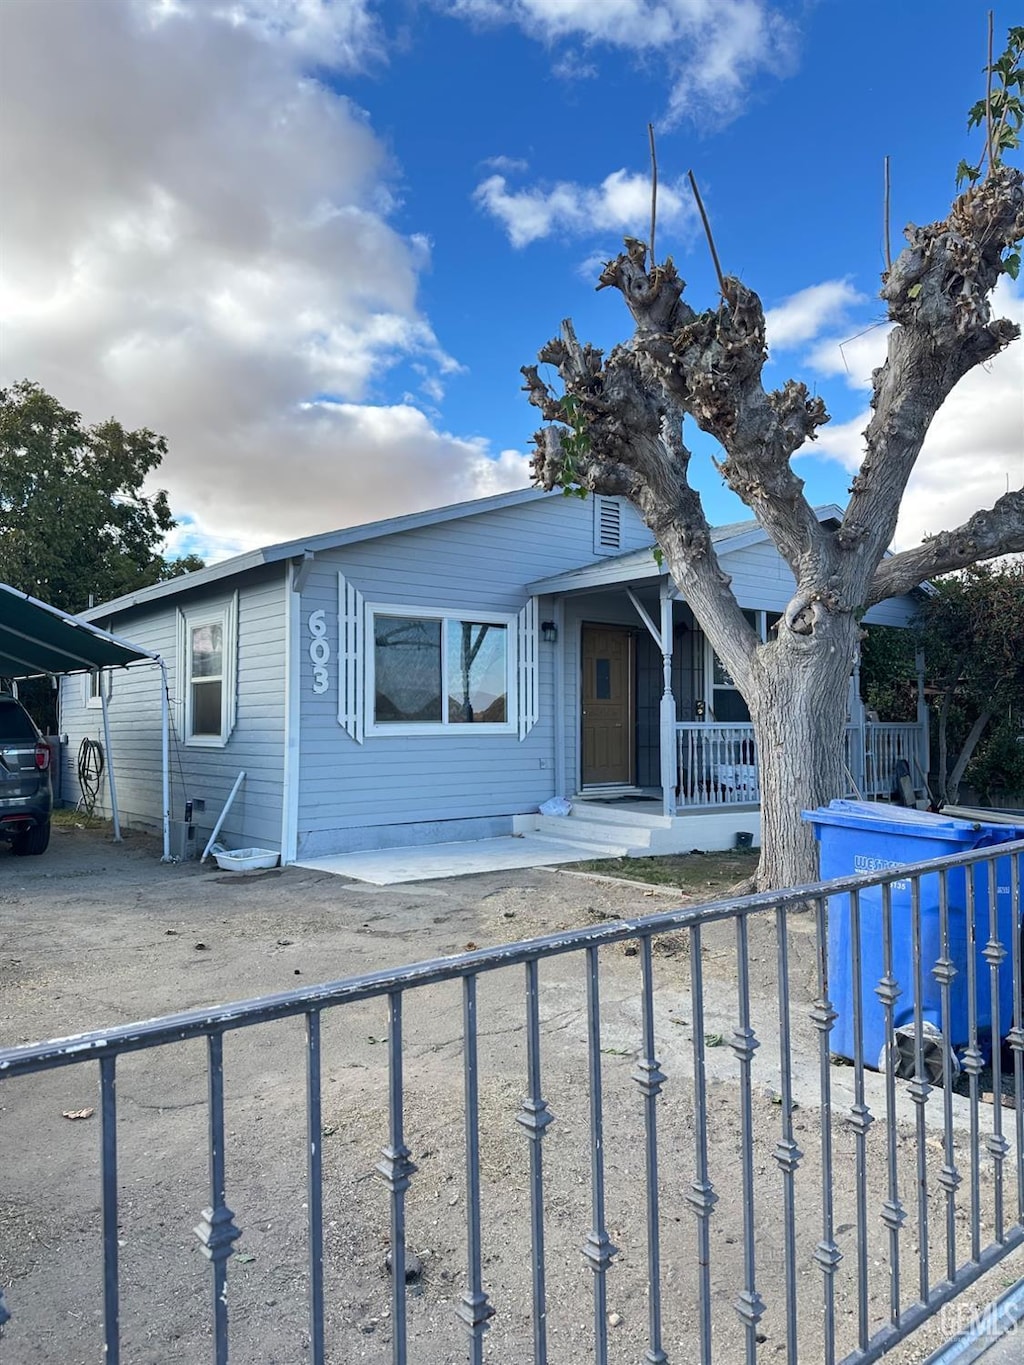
36	638
327	540
638	564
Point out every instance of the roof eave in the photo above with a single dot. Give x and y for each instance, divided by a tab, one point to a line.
327	540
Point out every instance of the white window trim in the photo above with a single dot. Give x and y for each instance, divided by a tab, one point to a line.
509	726
95	703
711	687
224	612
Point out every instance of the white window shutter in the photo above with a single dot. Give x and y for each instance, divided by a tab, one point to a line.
350	659
528	686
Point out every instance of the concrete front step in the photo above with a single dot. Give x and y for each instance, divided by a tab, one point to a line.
596	848
620	836
620	814
577	829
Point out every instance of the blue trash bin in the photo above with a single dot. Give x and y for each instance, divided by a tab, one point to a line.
870	836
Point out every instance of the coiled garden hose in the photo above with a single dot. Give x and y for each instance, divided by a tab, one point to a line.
90	774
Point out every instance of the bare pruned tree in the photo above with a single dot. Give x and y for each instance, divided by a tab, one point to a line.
616	427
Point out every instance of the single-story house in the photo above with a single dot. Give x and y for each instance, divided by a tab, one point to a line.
439	676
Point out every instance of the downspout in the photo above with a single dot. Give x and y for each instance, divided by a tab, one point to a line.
165	753
297	573
111	783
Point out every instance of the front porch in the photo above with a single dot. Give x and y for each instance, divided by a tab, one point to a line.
717	796
635	825
652	721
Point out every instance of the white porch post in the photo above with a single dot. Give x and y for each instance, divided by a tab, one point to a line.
668	704
562	780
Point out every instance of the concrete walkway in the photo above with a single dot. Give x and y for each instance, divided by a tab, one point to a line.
386	867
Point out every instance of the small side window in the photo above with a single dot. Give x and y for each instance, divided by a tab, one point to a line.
207	648
97	685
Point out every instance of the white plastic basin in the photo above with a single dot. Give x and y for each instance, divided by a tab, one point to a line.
246	859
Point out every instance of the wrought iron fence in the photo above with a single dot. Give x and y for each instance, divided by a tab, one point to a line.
927	956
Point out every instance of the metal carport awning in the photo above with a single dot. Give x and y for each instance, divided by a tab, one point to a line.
39	640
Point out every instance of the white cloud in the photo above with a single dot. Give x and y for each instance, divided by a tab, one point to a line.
339	464
622	202
805	315
974	449
197	241
572	66
853	356
511	165
713	50
335	35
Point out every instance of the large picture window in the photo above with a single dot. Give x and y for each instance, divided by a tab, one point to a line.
207	648
440	672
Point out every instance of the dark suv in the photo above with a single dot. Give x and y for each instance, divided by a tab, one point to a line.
26	796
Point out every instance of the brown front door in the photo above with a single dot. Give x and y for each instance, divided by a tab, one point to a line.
608	721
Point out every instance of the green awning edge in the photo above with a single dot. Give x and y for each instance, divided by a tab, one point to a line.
37	639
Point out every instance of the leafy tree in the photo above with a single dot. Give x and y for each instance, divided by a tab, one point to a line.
174	568
888	672
971	629
616	428
74	521
973	636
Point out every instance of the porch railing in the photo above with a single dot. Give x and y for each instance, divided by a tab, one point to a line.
717	763
885	743
835	1211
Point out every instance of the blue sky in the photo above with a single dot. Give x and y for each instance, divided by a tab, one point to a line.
312	242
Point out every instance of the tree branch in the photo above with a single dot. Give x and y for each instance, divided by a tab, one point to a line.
938	291
616	434
710	365
718	362
981	721
997	531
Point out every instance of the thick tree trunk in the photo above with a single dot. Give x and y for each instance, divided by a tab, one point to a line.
798	702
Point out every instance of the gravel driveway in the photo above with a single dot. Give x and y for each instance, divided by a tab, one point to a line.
94	934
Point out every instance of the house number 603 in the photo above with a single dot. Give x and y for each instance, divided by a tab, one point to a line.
319	650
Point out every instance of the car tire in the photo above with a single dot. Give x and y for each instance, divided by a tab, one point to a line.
33	841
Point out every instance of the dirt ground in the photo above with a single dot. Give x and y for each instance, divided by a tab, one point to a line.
94	934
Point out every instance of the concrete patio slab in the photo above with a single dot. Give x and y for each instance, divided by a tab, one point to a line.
389	866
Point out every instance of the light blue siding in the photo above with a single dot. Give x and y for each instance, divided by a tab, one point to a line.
391	788
201	775
480	563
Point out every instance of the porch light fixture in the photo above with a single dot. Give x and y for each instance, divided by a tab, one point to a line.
548	632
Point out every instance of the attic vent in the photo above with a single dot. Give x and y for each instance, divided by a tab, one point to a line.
607	525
